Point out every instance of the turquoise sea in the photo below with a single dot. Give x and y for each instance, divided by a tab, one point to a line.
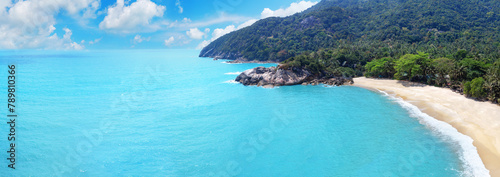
171	113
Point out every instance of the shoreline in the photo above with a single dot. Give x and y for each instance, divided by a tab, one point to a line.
239	61
477	120
254	61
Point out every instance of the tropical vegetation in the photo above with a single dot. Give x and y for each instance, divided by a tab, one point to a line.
446	43
461	72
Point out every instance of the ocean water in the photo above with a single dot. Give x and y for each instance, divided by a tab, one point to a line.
171	113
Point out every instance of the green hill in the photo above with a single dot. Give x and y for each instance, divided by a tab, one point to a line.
373	28
448	43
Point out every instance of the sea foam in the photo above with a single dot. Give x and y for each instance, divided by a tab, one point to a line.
227	62
230	82
472	164
233	73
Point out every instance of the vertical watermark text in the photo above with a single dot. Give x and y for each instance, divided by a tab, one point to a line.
11	116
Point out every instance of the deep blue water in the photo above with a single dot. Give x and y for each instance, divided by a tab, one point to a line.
170	113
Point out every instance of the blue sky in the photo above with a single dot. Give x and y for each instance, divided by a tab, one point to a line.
125	24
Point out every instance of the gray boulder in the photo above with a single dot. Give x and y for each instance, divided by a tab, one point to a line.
275	76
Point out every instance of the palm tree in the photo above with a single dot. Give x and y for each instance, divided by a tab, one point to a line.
458	73
492	83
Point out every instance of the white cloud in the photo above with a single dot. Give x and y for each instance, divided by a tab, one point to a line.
95	41
186	20
203	44
133	18
195	33
67	34
90	12
247	23
219	32
30	24
139	39
3	5
75	46
68	43
178	4
169	41
223	18
292	9
216	34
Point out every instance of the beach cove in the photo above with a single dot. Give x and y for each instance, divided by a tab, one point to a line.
478	120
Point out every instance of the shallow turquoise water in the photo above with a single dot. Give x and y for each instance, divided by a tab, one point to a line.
170	113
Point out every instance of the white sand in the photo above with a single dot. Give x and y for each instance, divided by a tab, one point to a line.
478	120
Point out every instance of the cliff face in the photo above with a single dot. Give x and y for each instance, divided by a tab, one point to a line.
275	76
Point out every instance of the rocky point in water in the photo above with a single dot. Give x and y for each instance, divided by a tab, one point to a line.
275	76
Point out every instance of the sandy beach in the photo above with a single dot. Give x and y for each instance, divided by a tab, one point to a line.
478	120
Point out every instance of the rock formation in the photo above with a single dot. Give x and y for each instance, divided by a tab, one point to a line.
275	76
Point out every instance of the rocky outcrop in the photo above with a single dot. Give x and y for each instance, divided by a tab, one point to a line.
275	76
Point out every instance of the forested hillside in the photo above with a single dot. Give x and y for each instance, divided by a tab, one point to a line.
370	29
447	43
